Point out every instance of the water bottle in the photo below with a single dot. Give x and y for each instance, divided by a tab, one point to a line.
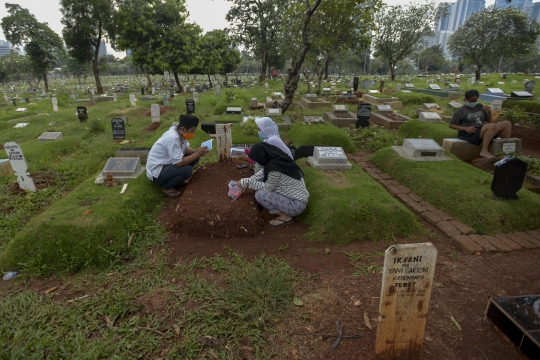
8	275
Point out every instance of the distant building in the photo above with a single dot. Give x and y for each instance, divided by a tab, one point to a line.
128	52
102	49
520	4
5	47
458	13
533	10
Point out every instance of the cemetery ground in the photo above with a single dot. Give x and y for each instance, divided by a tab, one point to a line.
102	277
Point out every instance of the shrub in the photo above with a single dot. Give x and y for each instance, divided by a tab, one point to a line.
96	126
373	138
249	127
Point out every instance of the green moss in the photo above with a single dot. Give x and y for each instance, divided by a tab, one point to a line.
464	192
322	135
425	130
349	205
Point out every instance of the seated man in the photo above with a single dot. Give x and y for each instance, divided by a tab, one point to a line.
473	122
171	160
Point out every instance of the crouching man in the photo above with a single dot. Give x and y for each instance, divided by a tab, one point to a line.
171	160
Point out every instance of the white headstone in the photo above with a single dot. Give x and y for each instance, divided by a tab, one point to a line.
54	104
153	90
114	97
409	86
384	109
50	136
21	125
233	110
454	86
429	116
494	91
155	112
329	158
270	112
429	106
196	97
20	110
326	91
454	105
18	164
218	90
373	91
313	119
434	87
132	99
398	87
405	293
421	150
472	80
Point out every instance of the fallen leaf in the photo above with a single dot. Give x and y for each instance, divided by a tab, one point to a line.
110	274
357	303
110	324
297	301
51	289
327	251
455	322
177	329
366	320
247	348
89	211
438	284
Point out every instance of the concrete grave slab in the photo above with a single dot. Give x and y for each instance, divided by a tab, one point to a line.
233	110
453	86
384	109
429	106
273	112
494	91
434	87
313	119
453	105
329	158
50	136
340	109
506	146
432	117
421	150
123	168
21	125
409	86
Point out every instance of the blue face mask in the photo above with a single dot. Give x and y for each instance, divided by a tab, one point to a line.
471	104
261	136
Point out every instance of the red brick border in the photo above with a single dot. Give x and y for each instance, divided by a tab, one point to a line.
463	235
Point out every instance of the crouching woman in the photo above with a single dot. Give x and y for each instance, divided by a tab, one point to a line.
279	187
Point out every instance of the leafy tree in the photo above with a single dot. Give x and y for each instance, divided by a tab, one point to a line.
255	24
492	34
432	58
219	57
76	69
18	68
86	23
400	28
43	46
299	14
337	26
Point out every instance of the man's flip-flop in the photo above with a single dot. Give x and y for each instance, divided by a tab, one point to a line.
282	222
172	193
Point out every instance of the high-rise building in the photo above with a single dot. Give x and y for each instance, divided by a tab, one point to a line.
102	49
533	10
457	13
520	4
5	47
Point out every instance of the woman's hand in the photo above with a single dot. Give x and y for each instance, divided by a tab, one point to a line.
470	129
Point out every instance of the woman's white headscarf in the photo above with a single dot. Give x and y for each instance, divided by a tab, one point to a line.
270	131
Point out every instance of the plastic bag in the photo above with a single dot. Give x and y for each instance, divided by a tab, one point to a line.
235	191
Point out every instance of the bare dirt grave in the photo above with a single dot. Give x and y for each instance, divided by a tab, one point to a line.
330	290
204	209
530	144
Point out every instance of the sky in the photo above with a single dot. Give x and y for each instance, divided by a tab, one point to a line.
209	14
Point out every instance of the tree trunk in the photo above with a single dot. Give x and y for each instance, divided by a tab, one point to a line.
291	83
178	82
209	81
262	77
478	69
149	80
392	71
95	70
325	71
46	81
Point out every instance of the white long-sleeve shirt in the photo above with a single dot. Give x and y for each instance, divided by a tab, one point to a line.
278	182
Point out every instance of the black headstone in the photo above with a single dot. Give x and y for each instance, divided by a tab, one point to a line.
27	100
190	106
14	101
508	177
504	76
529	86
208	127
362	115
303	151
225	84
142	90
82	113
355	83
118	128
171	93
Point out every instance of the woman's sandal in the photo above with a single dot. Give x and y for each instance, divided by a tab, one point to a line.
282	222
172	192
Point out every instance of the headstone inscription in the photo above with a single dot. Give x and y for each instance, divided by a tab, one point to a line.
155	112
119	127
363	114
329	158
313	119
405	293
508	177
18	163
190	106
123	168
529	86
82	114
273	112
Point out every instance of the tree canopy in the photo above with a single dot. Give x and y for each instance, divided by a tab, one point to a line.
43	46
493	34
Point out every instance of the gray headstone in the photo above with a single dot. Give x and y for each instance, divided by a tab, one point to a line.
123	168
340	109
429	106
384	109
454	86
50	136
329	158
409	86
431	117
313	119
434	87
421	150
155	112
311	96
506	146
453	105
494	91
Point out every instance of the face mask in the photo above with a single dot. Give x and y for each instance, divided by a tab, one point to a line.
261	136
188	136
471	104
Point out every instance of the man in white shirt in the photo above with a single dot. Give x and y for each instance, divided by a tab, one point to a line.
170	161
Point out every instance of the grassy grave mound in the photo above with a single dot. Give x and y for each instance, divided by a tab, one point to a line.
414	98
425	130
464	192
321	135
204	209
349	205
532	106
89	227
228	119
222	106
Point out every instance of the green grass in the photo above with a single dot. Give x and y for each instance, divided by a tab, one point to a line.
425	130
238	136
149	309
413	98
222	106
226	119
532	106
322	135
464	192
373	138
345	206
